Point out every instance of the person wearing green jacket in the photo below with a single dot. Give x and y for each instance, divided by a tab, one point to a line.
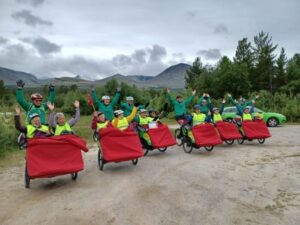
105	105
243	103
180	104
37	106
127	106
205	103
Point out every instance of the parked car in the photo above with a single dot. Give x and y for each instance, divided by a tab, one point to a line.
272	119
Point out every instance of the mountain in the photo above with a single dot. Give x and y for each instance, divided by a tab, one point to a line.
11	76
172	77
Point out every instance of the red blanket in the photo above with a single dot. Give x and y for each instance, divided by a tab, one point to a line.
161	137
120	145
255	129
53	156
206	135
228	131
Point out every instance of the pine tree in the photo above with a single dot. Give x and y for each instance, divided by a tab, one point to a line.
194	73
280	74
264	62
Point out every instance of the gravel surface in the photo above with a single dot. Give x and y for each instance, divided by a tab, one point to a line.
239	184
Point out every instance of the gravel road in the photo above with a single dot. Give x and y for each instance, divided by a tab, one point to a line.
239	184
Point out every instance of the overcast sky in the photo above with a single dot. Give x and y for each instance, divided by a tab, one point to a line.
95	38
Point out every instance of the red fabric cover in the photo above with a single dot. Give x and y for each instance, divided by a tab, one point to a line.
120	145
256	129
206	135
228	131
161	137
53	156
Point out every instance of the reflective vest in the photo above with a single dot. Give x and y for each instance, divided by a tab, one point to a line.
122	123
31	130
198	118
247	116
145	121
217	117
102	125
61	128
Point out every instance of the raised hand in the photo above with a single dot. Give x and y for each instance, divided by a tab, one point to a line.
223	101
50	106
209	113
95	113
229	95
20	83
194	92
118	89
18	110
76	104
51	87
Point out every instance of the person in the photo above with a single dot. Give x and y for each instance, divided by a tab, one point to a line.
58	121
99	121
35	128
127	106
105	105
37	106
143	121
246	112
122	122
242	101
217	113
153	113
205	103
180	104
196	118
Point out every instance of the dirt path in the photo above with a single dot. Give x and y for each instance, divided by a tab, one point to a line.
239	184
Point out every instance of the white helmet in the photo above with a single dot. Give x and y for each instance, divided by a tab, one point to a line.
104	97
129	98
118	112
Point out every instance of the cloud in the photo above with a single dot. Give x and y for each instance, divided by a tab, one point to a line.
210	53
191	14
221	29
29	19
42	45
3	40
157	53
34	3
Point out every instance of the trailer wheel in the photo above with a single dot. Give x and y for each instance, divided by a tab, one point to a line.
27	178
74	176
241	141
187	145
209	148
229	142
135	161
162	149
100	160
261	140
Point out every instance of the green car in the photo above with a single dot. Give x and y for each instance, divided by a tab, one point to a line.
271	119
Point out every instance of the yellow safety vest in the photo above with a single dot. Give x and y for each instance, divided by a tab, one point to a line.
60	129
31	130
247	116
217	118
145	121
102	125
198	118
122	124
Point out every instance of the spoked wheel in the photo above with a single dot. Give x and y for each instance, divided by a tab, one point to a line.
95	136
187	145
229	142
178	137
74	176
144	146
241	141
261	140
209	148
135	161
100	160
27	178
162	149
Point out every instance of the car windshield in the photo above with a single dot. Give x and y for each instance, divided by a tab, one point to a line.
257	110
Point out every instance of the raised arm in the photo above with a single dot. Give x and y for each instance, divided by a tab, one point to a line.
21	99
18	125
188	100
52	121
115	99
75	119
95	98
132	114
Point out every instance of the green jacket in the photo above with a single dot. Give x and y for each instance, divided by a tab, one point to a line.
126	108
243	105
30	108
205	108
108	110
180	108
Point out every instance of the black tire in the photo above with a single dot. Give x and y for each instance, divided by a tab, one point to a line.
27	178
100	160
187	145
162	149
74	176
178	137
261	140
272	122
229	120
95	136
241	141
229	142
135	161
144	146
209	148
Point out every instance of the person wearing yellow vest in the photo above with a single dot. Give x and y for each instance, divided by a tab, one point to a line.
246	112
143	121
196	118
58	122
99	121
34	129
217	113
122	122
